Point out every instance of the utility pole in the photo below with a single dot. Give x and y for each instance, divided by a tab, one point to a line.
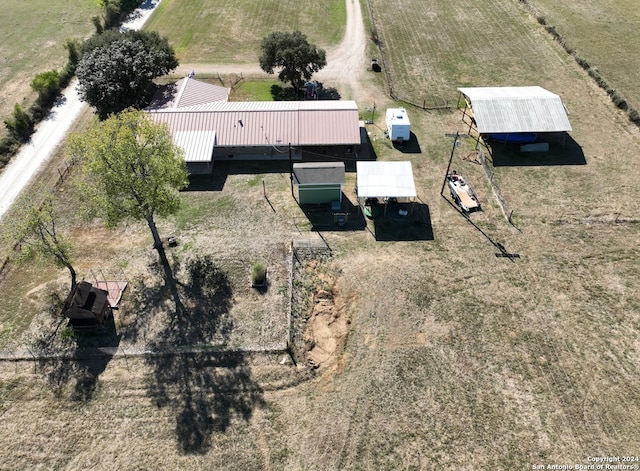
291	171
453	148
455	136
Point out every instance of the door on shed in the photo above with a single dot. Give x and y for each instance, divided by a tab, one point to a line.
319	194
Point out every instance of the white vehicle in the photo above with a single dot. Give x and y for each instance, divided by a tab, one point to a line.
462	193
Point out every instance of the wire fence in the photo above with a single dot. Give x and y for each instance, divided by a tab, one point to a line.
502	202
431	103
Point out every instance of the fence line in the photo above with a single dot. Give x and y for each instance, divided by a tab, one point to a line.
502	202
435	105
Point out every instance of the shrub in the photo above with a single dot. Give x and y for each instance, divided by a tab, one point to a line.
74	53
634	116
47	86
583	63
258	274
618	100
20	125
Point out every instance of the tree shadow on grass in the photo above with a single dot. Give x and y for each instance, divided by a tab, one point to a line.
191	373
283	93
76	360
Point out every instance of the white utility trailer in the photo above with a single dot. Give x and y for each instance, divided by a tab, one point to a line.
398	125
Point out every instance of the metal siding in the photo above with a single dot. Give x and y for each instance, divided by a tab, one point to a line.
319	194
197	145
335	127
319	173
268	127
195	92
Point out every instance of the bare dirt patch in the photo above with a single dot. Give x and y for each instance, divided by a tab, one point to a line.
326	329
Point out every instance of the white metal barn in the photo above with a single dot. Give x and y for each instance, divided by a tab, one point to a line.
398	124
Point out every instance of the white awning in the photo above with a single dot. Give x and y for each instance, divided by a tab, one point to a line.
197	145
385	180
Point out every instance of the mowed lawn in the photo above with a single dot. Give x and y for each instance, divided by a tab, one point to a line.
230	32
603	32
455	358
32	38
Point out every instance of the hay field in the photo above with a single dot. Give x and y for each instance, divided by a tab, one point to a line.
604	33
230	32
455	358
31	41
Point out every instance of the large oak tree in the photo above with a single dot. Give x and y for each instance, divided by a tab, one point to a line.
133	169
117	69
297	59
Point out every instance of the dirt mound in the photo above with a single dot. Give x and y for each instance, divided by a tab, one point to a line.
326	330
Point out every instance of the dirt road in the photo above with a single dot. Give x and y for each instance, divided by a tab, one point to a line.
50	132
346	62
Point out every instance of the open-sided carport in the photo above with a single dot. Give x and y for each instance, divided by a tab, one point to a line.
385	181
514	114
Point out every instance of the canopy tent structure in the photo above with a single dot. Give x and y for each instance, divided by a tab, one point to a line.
513	111
385	180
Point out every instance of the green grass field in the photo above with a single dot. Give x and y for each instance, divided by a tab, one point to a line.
454	359
230	32
604	33
32	36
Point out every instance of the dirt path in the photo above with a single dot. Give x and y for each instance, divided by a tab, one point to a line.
346	63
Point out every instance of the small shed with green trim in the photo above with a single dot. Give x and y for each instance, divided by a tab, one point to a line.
319	182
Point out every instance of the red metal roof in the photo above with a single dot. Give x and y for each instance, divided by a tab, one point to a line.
248	124
187	92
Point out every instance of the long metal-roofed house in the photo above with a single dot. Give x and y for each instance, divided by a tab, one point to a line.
258	130
520	115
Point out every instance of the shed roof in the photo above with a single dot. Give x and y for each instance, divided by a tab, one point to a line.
385	180
318	172
516	109
269	123
197	145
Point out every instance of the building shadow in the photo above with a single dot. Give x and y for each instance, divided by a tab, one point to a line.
211	182
323	218
563	150
75	365
224	168
392	225
412	146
